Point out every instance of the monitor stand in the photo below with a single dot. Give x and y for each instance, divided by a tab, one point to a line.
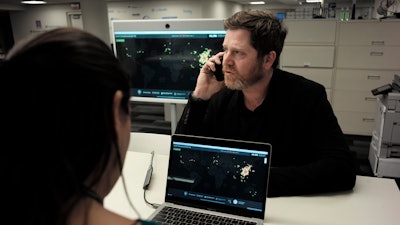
174	121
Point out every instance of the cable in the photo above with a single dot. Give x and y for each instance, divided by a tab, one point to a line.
154	205
128	197
149	173
147	180
120	164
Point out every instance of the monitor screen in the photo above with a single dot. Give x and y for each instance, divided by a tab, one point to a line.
164	57
281	16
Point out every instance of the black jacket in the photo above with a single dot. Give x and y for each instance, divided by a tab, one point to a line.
309	152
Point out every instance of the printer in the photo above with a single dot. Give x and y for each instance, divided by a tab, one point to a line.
384	151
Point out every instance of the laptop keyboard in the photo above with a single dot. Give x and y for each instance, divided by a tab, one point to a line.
169	215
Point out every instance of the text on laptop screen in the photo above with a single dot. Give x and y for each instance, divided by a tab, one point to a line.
225	176
164	63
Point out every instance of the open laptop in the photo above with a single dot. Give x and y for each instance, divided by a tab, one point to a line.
227	179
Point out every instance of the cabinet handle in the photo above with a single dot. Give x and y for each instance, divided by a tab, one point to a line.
370	98
377	42
374	77
368	119
376	53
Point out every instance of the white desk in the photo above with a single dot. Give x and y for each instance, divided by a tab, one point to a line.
373	201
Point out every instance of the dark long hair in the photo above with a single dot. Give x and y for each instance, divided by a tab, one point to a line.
58	122
266	30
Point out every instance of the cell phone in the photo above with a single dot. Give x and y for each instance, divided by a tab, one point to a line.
218	71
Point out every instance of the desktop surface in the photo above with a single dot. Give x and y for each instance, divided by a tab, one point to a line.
372	201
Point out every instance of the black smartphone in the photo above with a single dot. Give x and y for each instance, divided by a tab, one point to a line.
218	71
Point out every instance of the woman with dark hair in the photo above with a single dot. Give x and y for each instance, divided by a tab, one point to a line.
67	127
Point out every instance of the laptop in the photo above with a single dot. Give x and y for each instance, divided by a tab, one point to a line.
213	178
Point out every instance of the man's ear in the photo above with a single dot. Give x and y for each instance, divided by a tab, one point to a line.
269	59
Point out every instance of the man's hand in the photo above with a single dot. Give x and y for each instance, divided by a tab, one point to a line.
207	84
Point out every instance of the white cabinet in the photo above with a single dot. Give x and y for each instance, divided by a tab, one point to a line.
311	32
368	55
354	103
369	33
349	58
309	50
311	56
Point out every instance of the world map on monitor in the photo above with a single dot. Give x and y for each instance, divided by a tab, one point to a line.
165	64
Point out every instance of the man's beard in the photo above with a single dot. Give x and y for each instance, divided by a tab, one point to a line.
239	82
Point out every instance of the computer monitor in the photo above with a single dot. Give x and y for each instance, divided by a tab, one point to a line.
164	56
281	16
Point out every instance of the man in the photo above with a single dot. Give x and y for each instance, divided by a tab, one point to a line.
259	102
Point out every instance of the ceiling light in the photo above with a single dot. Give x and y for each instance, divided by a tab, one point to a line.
33	2
312	1
257	3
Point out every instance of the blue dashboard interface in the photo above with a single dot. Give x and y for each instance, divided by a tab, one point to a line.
165	64
225	176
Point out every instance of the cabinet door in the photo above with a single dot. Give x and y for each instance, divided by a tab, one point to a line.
322	76
356	123
383	57
354	101
362	80
369	33
311	31
308	56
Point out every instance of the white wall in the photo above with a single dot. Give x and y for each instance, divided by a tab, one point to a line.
142	9
219	9
179	9
97	15
139	10
26	22
95	18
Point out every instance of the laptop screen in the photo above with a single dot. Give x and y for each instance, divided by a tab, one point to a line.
220	174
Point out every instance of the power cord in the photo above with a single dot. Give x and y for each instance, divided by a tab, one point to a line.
154	205
120	164
128	197
147	180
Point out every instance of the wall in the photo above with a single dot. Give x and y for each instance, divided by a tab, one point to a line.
37	19
95	18
97	15
219	9
178	9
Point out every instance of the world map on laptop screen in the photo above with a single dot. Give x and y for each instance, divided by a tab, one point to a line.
230	177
